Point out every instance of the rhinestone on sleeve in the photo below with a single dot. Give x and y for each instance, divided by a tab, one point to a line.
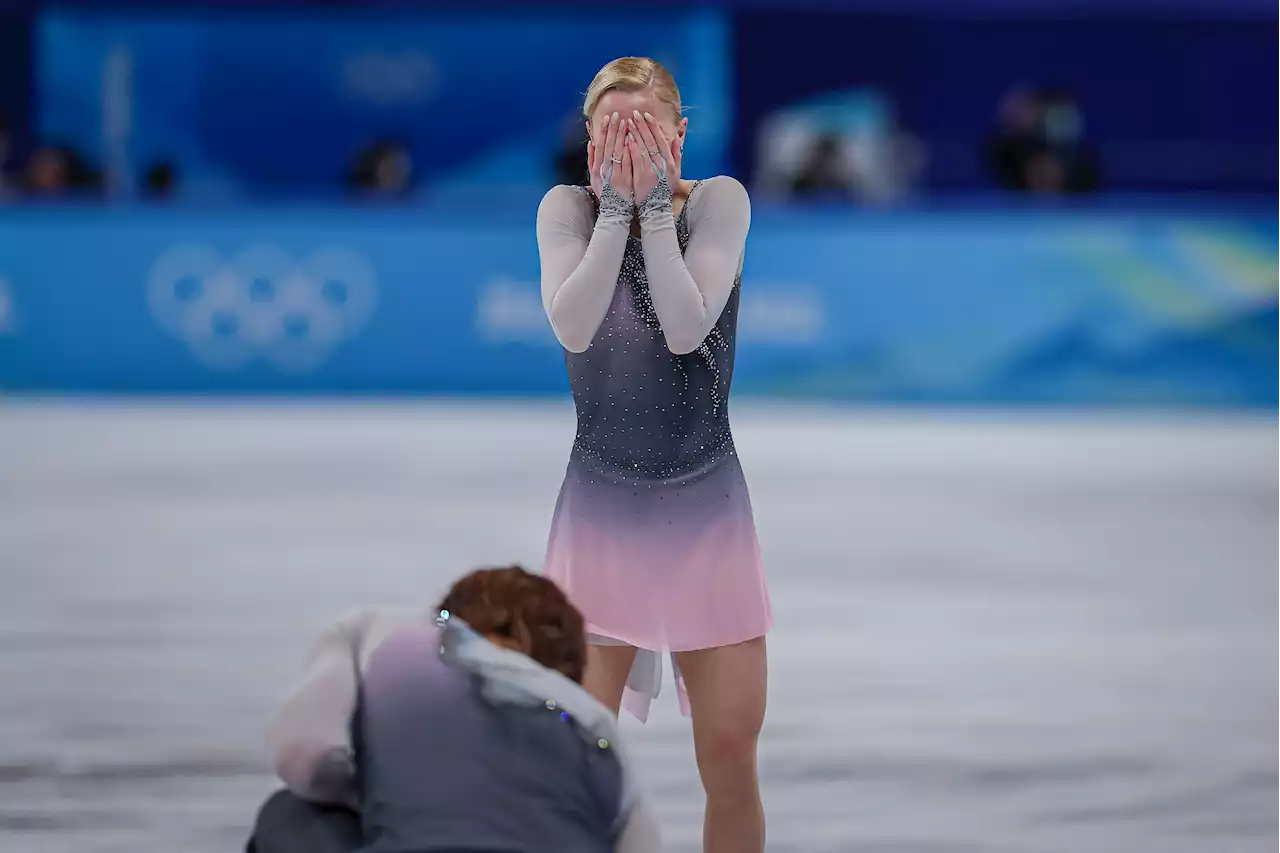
657	202
614	207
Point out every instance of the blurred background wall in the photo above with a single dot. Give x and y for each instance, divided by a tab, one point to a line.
969	201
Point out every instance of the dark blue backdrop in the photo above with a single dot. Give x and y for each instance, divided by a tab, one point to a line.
15	71
273	101
1174	102
1178	94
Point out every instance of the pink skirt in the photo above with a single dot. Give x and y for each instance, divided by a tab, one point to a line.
660	566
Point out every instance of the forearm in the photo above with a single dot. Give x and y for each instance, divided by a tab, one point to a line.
677	300
690	290
580	303
326	777
309	738
578	280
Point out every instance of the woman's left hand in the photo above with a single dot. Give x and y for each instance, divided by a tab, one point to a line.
653	156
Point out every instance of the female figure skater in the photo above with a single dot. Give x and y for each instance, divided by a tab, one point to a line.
653	535
466	733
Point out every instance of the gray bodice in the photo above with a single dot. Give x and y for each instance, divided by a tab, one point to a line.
646	414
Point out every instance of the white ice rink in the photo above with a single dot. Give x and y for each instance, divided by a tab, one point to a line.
1006	633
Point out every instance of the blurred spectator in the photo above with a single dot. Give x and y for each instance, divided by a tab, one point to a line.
571	158
57	170
1039	146
384	169
840	145
160	181
825	171
887	166
48	172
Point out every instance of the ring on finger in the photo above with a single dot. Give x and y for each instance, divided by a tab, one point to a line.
615	159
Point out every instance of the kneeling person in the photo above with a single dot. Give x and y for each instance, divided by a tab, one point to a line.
463	730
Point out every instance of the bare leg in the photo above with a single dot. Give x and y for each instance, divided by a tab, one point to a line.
607	671
727	688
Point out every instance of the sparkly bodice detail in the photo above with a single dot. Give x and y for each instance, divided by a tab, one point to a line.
646	414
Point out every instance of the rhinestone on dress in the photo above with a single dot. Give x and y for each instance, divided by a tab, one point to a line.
645	414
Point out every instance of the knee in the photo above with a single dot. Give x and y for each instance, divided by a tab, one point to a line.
272	815
280	806
728	749
288	824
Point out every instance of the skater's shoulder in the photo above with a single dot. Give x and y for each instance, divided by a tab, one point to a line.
718	196
565	201
720	189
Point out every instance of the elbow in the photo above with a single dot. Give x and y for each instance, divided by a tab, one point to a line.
295	762
686	335
320	775
685	344
571	340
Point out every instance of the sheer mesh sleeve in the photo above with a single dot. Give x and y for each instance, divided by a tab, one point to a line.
690	291
580	262
310	737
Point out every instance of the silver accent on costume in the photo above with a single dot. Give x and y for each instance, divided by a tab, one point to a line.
659	198
614	205
507	677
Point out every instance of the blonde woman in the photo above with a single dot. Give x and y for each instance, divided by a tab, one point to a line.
653	535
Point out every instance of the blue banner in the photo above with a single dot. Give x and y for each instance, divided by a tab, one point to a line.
966	306
1258	9
275	100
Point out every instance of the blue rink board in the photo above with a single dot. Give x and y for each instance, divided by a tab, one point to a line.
1107	307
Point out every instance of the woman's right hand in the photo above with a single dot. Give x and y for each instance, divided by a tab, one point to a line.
609	161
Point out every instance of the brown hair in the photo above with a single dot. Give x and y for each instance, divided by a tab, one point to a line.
522	611
633	74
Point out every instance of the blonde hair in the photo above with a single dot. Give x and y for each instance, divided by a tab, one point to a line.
633	74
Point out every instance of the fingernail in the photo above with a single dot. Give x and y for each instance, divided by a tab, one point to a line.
615	117
649	117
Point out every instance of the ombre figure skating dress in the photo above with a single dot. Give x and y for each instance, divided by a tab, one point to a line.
653	536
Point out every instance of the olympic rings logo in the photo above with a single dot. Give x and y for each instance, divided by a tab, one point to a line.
261	303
